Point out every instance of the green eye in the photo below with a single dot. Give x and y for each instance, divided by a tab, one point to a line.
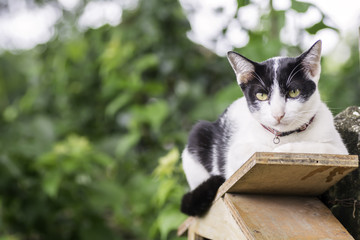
294	93
262	96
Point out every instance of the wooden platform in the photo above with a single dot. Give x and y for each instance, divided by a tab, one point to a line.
272	197
289	174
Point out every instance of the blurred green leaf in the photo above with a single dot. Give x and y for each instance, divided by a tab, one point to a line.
168	220
118	103
51	183
146	62
164	191
167	163
301	7
126	142
153	113
242	3
319	26
10	166
10	114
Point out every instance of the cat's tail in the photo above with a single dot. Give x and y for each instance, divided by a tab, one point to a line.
198	201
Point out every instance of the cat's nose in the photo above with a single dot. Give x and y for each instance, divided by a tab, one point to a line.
279	117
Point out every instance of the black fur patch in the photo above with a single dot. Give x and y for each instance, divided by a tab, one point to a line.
198	201
201	141
209	139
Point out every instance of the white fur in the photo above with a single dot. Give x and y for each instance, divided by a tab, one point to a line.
215	168
277	103
194	171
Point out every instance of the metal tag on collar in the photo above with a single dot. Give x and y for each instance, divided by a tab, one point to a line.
276	139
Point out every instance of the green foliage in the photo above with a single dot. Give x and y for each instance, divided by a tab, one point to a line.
169	174
317	27
301	7
92	123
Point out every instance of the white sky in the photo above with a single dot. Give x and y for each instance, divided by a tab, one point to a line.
23	28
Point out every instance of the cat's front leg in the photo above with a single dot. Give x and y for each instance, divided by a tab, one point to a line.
238	154
311	147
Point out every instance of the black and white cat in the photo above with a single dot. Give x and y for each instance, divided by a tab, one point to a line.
281	111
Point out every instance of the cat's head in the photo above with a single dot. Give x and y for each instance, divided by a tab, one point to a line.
281	92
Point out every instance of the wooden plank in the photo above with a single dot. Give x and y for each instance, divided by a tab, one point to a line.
182	229
218	223
289	174
285	217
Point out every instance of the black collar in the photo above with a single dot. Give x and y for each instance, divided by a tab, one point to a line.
278	134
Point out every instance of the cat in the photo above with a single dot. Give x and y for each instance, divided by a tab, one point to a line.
281	111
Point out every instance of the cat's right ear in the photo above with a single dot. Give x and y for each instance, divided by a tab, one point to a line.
242	66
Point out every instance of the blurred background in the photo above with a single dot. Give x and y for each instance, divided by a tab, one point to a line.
97	98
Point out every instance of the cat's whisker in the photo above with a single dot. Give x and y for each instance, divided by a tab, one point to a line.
300	119
259	79
303	111
287	81
299	114
297	121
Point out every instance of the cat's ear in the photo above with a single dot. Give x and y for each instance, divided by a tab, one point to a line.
242	66
311	61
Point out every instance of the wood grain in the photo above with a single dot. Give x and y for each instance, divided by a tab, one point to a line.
285	217
218	223
270	197
289	174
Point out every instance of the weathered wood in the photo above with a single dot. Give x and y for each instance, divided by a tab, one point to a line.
185	226
217	224
289	174
268	215
285	217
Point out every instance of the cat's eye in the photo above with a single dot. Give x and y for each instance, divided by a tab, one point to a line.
262	96
294	93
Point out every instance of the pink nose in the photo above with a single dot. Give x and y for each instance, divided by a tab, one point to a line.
279	117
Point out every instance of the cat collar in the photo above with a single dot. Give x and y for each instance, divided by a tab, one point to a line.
278	134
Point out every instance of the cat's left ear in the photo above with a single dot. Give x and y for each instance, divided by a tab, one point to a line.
310	60
242	66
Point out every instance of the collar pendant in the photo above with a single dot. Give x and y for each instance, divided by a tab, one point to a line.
276	139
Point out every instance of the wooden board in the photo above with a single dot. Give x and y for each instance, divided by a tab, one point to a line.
183	228
267	217
289	174
216	224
